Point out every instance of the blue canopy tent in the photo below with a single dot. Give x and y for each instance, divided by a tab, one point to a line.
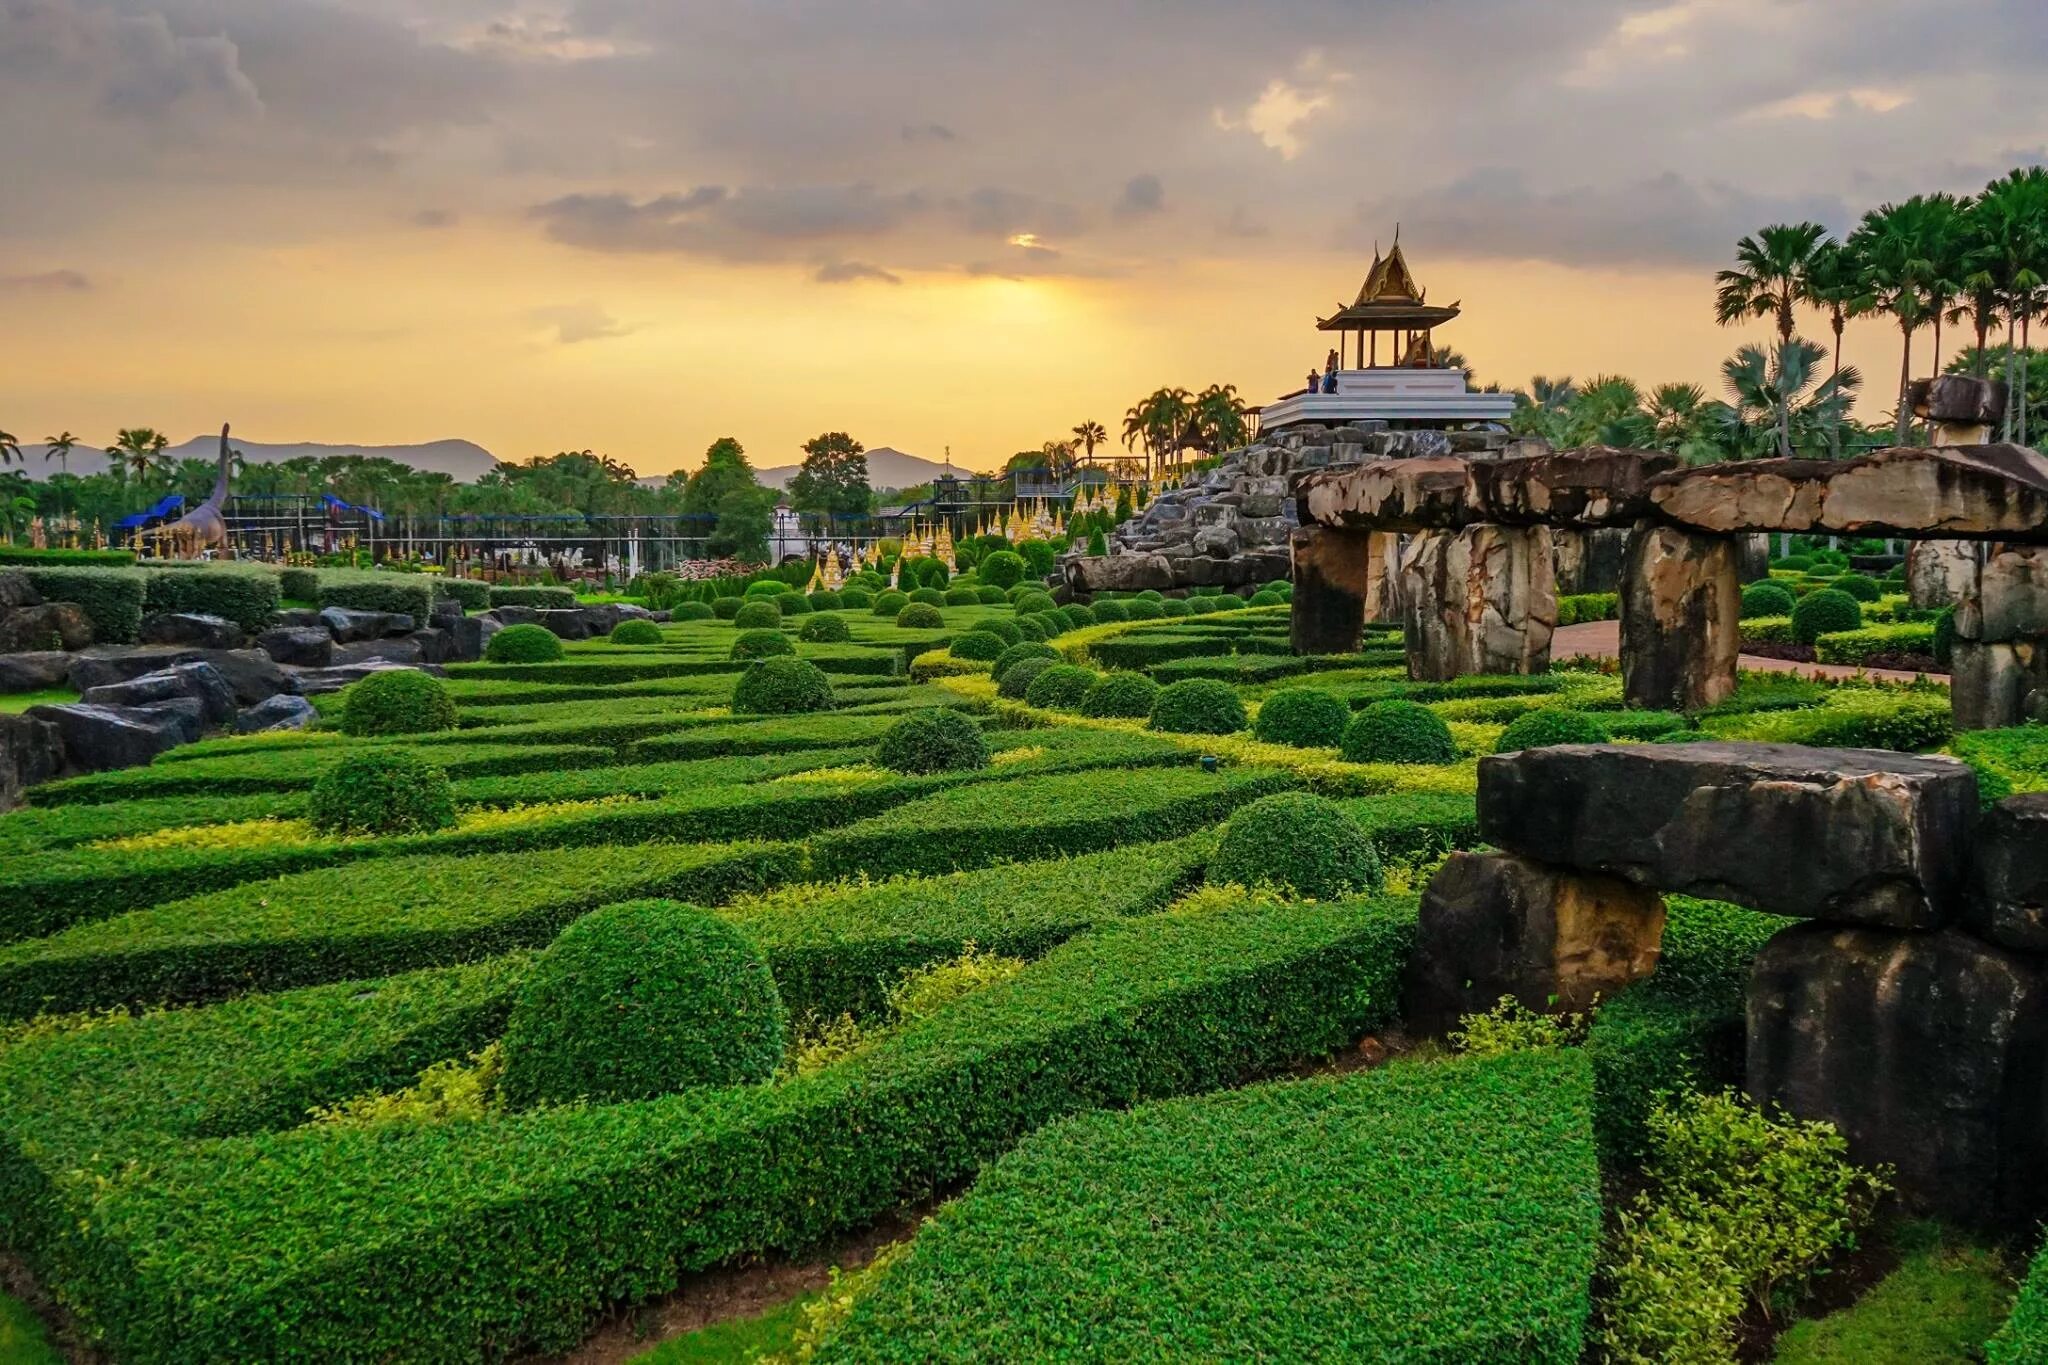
328	500
171	503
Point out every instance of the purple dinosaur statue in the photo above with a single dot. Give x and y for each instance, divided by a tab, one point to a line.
205	527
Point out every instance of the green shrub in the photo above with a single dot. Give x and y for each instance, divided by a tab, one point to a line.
1062	687
979	645
303	585
935	741
468	593
858	599
1198	706
636	631
381	791
1144	609
1002	569
1861	646
1266	599
28	555
111	598
825	599
1016	681
1548	725
758	614
246	595
1003	627
961	597
726	608
1766	598
1125	695
1202	606
1031	600
523	645
761	644
1305	717
692	611
366	590
1174	606
1862	587
397	701
544	597
1794	563
1299	843
1823	613
1398	732
1588	606
794	604
766	587
1078	616
930	597
890	602
1029	649
919	616
990	597
1107	611
781	686
640	1000
1034	629
825	628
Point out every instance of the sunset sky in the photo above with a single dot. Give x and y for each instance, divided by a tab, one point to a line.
637	225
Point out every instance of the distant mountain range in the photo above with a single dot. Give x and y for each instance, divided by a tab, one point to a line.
887	468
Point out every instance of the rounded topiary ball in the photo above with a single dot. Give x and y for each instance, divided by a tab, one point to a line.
1078	616
381	791
1304	717
725	608
936	741
1033	600
1144	609
398	701
1860	586
920	616
523	645
891	602
989	596
961	597
856	599
824	599
1033	629
1823	612
1060	687
1548	725
1300	843
1198	706
1015	682
639	1000
1003	569
1125	695
759	614
978	645
1109	611
1767	599
1263	598
931	597
636	631
1003	626
1398	732
826	629
1028	649
691	611
768	587
781	685
1174	606
1202	606
794	604
761	644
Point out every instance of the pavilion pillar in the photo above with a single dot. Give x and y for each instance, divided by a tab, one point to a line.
1332	582
1478	600
1681	601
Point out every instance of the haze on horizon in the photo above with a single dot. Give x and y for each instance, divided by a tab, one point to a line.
635	226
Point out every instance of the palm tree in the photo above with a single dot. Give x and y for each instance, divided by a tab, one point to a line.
1089	435
137	451
1769	275
1217	422
1444	358
1834	284
1159	422
10	449
59	448
1777	389
1674	411
2011	221
1948	246
1542	411
1897	243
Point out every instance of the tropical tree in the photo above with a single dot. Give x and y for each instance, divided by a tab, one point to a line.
832	482
1948	230
1218	420
16	511
1089	435
1780	397
1675	412
736	512
1543	409
1769	275
59	448
1158	422
2010	225
10	449
1897	244
138	451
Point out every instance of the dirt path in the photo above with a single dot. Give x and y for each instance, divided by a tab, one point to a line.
1602	640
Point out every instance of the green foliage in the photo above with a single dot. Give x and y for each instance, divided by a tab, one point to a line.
1266	599
378	590
1767	598
1198	706
1548	725
919	616
766	587
1939	1307
781	686
1398	732
692	611
962	597
1862	587
1003	628
1305	717
1573	608
826	599
245	594
1873	642
761	644
933	741
1016	680
110	597
794	603
1824	612
1062	687
397	701
468	593
1031	600
1740	1206
525	644
639	1000
1106	610
930	597
465	1089
1002	569
727	608
860	599
825	628
979	645
636	630
758	614
1029	649
1035	628
1510	1026
381	791
541	597
26	555
1296	842
1098	544
1126	695
1173	606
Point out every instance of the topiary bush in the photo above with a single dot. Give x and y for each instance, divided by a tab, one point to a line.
781	685
1174	606
1004	627
1106	611
761	644
725	608
1016	680
989	597
1033	628
1548	725
1860	586
1767	599
759	614
1003	569
1198	706
920	616
936	741
1262	598
825	629
1144	609
856	599
978	645
1062	687
1299	843
1202	606
1028	649
931	597
824	599
767	587
639	1000
1078	616
397	701
1126	695
636	632
962	597
1398	732
1305	717
891	602
1032	600
691	611
1823	612
381	791
523	645
794	604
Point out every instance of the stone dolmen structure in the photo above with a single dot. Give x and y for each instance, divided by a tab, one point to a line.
1909	1006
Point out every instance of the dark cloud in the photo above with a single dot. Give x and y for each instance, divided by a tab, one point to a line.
1143	195
849	272
993	210
46	282
746	224
575	322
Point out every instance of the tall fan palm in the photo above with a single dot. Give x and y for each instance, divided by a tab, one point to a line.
1217	420
1948	257
10	449
2011	222
1674	411
1159	422
138	451
59	448
1777	389
1089	435
1896	243
1769	275
1834	284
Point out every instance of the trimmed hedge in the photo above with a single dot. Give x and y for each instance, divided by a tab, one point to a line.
246	595
691	611
547	598
470	593
1300	843
111	598
1398	732
782	686
1001	569
1767	599
1304	717
397	701
1823	613
1861	646
381	791
26	555
1274	1223
1028	649
1123	695
1198	706
1061	687
918	616
933	742
726	608
761	644
2024	1338
978	645
1004	627
636	631
825	628
1548	725
525	644
758	614
1018	677
364	590
1031	600
794	604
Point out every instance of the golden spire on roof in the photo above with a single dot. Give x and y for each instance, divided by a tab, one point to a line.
1389	280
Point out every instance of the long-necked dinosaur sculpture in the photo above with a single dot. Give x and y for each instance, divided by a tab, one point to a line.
205	527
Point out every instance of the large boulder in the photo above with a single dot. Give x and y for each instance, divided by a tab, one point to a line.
191	628
44	626
304	646
348	626
34	671
434	644
1493	924
1119	573
1940	573
1333	583
103	664
1999	683
1681	610
100	737
284	711
311	682
1479	600
31	751
198	680
2007	597
403	650
1928	1051
253	674
1964	407
1860	836
16	590
466	638
2008	902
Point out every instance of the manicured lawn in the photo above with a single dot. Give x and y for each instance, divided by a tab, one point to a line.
1941	1305
23	1341
17	702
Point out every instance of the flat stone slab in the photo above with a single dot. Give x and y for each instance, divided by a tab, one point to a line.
1593	486
1987	492
1858	836
2009	902
101	737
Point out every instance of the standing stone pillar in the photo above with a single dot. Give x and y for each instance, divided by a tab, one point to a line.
1681	608
1479	600
1999	675
1332	583
1939	573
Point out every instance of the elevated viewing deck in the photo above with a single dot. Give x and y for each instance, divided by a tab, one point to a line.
1438	397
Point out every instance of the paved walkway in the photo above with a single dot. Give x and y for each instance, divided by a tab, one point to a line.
1602	639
